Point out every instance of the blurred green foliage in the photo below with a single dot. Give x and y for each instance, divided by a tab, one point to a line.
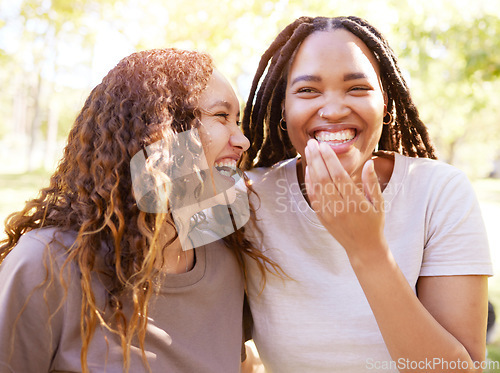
455	76
53	52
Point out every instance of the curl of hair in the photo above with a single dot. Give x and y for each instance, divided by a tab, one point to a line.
147	96
407	134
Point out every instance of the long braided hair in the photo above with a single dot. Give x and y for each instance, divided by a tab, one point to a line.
406	134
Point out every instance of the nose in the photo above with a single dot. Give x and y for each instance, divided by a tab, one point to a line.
238	140
334	109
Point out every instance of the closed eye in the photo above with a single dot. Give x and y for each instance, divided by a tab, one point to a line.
360	90
226	118
306	90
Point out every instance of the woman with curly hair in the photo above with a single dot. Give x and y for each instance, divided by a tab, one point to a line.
95	274
385	245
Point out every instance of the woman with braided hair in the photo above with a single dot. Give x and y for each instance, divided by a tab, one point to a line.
94	273
384	245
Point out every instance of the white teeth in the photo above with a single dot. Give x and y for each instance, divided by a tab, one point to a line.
230	163
338	136
226	167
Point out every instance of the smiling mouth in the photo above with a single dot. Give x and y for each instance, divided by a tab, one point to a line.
227	167
336	137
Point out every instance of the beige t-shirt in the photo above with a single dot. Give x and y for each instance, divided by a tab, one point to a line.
321	321
194	323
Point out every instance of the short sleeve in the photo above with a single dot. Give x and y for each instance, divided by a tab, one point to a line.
29	326
456	240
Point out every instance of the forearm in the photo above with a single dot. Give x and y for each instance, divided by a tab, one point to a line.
412	335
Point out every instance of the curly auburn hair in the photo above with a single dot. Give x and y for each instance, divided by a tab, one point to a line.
406	134
148	96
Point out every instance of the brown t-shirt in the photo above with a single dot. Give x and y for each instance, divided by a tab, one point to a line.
194	323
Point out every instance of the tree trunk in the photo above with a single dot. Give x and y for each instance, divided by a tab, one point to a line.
35	126
51	140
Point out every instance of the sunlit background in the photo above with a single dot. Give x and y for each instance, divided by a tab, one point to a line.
53	52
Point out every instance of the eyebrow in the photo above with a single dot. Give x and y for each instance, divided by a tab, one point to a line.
314	78
354	76
220	103
306	78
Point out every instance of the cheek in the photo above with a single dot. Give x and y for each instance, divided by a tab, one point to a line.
372	112
376	127
295	132
377	117
206	139
296	120
214	140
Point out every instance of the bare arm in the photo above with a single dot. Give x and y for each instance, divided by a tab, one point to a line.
443	296
445	326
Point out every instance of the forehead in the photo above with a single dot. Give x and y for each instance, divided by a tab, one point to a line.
336	49
218	89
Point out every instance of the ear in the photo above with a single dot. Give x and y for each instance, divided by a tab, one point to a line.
283	110
386	100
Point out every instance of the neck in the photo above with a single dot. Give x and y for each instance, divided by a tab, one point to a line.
175	259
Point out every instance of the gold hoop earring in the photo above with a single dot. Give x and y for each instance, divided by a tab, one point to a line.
282	124
389	121
282	120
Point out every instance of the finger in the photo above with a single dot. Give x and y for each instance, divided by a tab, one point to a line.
318	171
317	174
317	199
338	174
371	186
311	195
